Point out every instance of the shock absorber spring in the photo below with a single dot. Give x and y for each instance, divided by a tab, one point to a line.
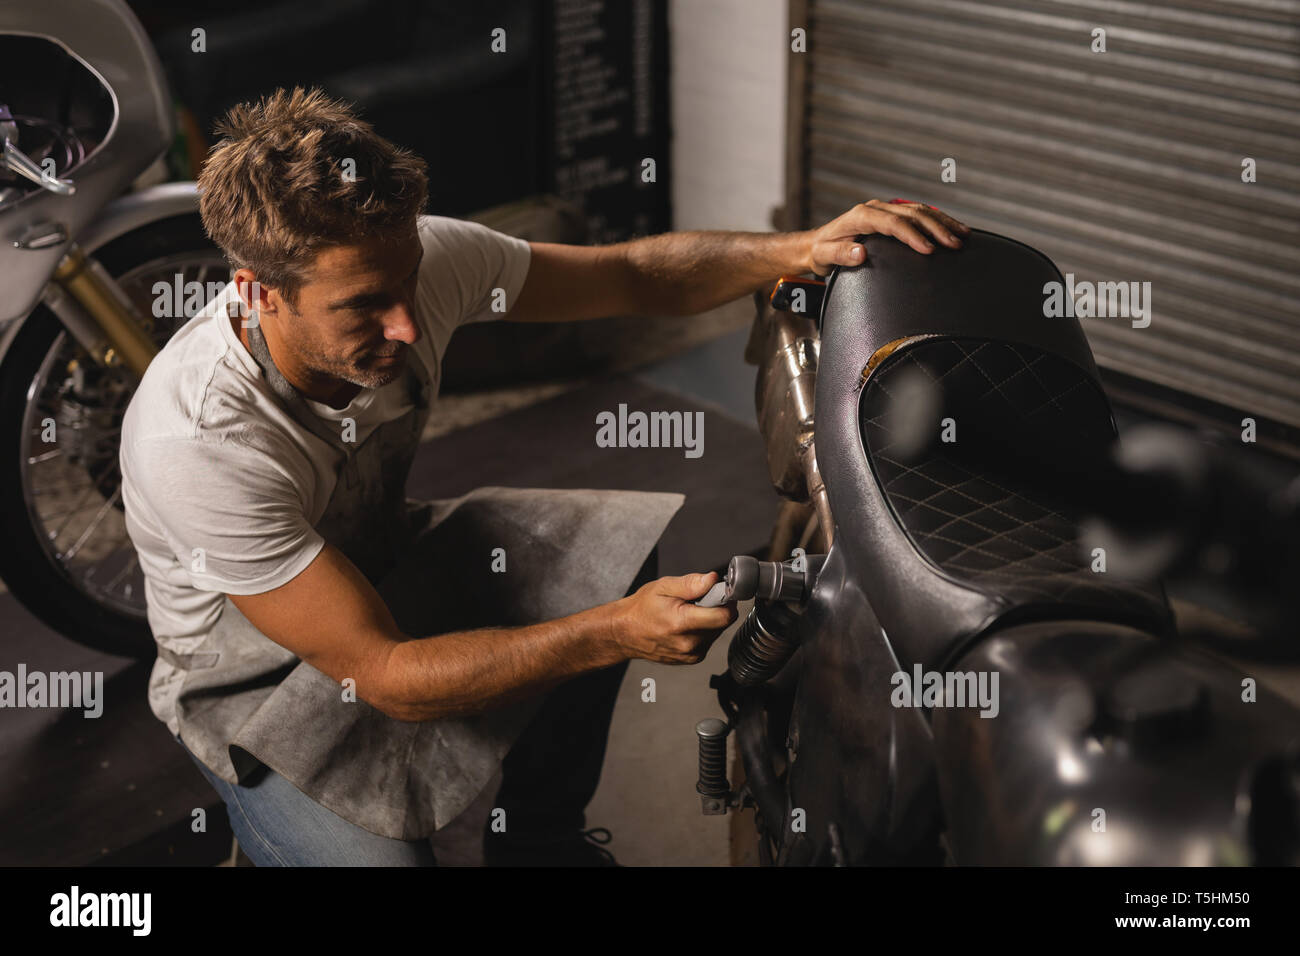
761	646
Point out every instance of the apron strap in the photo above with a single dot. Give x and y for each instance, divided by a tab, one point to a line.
417	382
288	395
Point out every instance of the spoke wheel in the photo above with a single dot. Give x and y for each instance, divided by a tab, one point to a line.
69	559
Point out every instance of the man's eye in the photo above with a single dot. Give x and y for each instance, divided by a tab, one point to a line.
356	322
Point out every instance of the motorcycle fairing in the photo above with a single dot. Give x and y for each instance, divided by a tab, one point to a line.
859	763
949	542
1112	747
108	41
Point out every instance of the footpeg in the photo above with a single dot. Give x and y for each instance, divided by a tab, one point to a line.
713	788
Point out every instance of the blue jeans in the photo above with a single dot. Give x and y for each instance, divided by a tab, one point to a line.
277	824
548	777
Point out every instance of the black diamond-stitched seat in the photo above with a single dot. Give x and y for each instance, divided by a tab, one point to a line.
949	542
983	516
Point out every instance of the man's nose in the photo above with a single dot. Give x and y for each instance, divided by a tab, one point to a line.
400	325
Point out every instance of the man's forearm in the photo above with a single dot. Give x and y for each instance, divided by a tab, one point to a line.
468	672
684	273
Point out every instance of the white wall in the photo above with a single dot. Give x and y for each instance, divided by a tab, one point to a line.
728	100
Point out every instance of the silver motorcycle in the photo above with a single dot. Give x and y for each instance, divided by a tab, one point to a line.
85	118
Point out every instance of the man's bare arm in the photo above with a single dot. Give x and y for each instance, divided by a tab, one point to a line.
331	617
685	273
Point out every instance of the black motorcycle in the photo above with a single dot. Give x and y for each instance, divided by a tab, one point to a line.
968	656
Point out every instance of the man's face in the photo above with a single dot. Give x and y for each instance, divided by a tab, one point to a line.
354	318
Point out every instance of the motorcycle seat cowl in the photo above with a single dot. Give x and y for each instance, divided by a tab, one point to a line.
956	538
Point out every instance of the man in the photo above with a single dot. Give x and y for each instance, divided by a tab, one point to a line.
349	668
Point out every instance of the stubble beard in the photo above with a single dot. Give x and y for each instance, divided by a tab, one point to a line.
358	375
376	378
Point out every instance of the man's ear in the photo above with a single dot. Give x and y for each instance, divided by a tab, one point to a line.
256	298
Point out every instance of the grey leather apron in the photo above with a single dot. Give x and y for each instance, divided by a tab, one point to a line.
246	701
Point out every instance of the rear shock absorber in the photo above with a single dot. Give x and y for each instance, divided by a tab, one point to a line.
762	645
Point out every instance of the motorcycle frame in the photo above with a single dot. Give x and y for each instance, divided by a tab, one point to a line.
785	346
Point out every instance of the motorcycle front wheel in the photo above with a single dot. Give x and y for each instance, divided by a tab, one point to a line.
66	555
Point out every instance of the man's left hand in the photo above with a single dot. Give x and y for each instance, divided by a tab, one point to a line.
835	244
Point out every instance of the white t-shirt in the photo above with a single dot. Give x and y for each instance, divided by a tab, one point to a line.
211	461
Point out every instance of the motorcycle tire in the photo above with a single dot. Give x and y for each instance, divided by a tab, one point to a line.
27	569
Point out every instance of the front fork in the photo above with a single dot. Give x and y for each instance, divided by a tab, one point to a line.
99	315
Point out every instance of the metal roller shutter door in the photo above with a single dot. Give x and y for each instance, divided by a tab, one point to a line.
1121	166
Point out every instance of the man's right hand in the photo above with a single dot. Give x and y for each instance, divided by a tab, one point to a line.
661	623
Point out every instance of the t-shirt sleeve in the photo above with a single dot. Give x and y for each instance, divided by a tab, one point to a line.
230	513
464	265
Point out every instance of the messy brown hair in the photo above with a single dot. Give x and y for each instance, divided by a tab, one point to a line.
277	188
